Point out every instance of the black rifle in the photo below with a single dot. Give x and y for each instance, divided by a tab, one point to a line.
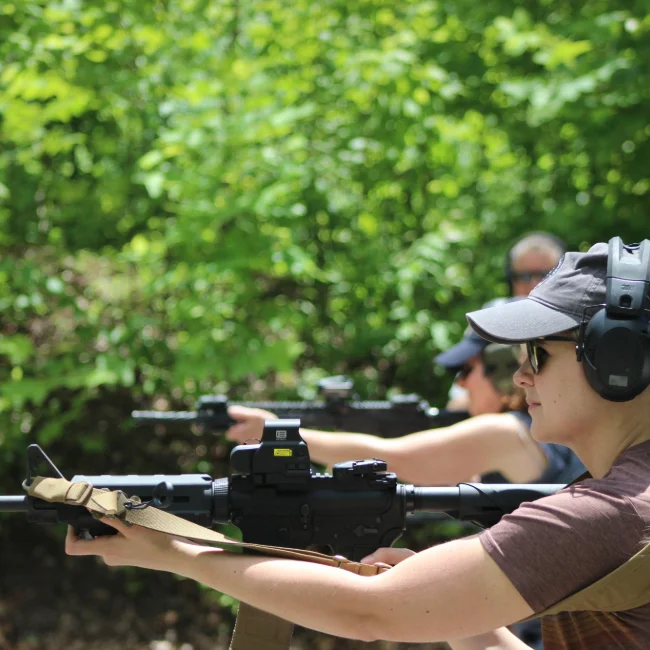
339	410
275	498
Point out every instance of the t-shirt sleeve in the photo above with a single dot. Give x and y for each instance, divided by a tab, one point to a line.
555	546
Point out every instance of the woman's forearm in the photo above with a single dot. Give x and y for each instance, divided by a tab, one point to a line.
327	448
424	598
328	600
426	457
431	596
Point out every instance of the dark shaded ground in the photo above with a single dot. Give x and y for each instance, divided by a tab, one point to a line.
49	601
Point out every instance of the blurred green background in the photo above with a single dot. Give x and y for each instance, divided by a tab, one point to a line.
244	197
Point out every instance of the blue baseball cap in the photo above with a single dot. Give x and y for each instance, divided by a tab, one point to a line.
471	344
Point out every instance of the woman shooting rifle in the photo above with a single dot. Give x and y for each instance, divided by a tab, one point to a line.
494	443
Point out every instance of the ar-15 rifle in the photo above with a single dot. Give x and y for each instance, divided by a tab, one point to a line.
275	498
339	410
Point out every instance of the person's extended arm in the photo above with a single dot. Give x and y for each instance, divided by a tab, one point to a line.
439	456
450	591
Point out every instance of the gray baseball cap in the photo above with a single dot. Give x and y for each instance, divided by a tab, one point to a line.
556	304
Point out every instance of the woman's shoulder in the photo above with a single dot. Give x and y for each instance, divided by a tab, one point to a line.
628	479
603	511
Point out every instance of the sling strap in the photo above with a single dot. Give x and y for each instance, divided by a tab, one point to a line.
254	629
626	587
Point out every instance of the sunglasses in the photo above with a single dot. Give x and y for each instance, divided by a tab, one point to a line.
465	371
537	355
527	276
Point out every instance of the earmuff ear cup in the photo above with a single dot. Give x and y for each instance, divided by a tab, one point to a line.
616	356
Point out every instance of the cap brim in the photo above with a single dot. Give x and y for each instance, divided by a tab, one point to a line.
458	355
520	321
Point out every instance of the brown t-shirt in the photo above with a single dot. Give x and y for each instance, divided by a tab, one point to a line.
556	546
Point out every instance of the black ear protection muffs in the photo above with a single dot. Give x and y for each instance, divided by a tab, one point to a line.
508	270
614	345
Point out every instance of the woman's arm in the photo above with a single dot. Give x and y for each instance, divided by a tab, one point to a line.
439	456
450	591
501	639
325	448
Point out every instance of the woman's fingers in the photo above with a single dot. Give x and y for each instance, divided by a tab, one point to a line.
118	524
74	545
132	545
245	413
249	423
242	431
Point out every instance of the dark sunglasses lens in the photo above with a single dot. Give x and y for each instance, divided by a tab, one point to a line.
527	276
464	371
531	350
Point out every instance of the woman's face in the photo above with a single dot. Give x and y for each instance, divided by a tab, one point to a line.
483	397
560	401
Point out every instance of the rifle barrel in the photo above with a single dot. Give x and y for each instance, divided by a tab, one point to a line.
166	416
433	499
471	500
14	504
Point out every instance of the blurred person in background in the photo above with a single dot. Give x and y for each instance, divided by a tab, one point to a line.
494	439
529	259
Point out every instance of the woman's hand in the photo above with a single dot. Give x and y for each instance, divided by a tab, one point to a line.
134	546
388	557
249	423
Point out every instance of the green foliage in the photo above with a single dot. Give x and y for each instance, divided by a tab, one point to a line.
245	197
231	196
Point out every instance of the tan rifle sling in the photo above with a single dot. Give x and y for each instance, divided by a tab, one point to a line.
625	588
254	629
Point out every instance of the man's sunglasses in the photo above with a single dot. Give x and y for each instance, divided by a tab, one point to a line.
465	371
527	276
537	355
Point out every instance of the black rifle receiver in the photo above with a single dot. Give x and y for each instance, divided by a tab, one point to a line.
339	410
275	498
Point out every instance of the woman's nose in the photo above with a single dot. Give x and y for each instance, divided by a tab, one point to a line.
524	376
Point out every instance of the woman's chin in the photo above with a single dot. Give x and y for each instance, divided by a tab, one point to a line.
538	432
